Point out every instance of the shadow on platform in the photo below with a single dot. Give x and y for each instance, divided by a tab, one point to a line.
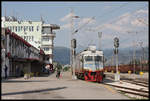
33	91
22	81
106	80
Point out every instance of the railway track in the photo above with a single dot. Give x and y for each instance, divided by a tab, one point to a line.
137	83
136	80
141	92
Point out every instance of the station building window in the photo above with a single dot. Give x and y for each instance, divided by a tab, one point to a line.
46	49
21	28
11	28
27	28
32	28
37	28
16	28
46	30
24	28
45	39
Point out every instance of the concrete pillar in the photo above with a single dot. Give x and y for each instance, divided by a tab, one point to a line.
7	51
27	67
3	63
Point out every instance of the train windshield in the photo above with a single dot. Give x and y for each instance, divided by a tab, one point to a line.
88	58
97	58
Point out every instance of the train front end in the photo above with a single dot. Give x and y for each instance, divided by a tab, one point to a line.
93	65
93	68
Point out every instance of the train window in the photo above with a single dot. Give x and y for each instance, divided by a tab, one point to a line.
88	58
97	58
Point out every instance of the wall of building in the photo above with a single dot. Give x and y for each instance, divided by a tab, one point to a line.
28	30
19	54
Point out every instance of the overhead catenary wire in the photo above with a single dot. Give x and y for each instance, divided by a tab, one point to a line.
83	25
113	10
104	24
133	12
114	20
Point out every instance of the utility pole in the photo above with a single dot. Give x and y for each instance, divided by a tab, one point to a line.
112	60
71	21
100	35
134	55
73	46
142	56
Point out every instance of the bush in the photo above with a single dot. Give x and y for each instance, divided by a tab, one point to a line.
66	69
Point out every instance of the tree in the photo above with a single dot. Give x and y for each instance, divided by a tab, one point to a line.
59	66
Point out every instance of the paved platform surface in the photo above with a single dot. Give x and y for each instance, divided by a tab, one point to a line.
49	87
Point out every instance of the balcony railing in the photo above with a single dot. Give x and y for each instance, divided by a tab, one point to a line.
49	35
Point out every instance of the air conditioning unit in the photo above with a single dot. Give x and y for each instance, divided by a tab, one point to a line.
92	48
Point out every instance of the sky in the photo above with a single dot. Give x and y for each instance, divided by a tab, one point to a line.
126	20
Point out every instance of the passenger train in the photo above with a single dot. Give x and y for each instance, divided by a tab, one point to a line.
89	65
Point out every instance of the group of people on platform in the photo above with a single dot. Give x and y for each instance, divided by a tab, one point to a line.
50	69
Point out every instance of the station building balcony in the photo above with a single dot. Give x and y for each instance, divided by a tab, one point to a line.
52	34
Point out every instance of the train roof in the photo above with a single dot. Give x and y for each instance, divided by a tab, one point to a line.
88	52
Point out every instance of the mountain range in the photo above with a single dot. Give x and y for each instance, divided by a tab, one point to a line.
62	54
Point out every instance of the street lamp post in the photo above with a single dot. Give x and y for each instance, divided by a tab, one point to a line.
73	46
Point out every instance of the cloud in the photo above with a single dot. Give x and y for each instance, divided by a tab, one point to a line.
127	21
87	20
142	11
140	19
113	27
67	17
108	7
66	26
123	19
136	22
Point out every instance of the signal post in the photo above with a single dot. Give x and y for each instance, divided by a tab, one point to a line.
116	45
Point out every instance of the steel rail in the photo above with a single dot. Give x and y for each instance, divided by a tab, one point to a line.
129	88
144	95
136	83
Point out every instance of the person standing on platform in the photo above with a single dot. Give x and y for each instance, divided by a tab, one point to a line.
5	69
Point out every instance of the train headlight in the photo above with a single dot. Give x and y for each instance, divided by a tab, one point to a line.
90	70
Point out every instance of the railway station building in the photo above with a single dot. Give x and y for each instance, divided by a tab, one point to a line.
19	56
36	33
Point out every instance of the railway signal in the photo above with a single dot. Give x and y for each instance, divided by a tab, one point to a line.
73	43
116	44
